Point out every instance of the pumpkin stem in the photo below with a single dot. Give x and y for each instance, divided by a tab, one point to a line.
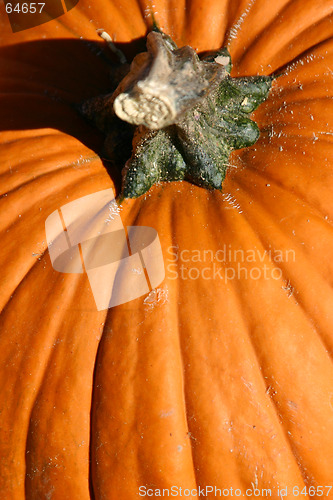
183	115
164	83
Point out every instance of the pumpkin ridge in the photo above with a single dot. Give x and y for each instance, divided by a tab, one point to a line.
242	185
259	372
320	205
186	397
286	439
36	342
319	214
322	38
52	134
297	57
20	282
98	174
303	301
279	411
38	236
66	27
45	175
318	330
287	97
307	56
277	26
231	33
52	386
302	196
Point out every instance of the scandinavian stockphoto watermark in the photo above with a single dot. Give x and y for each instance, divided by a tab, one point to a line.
227	263
24	15
87	235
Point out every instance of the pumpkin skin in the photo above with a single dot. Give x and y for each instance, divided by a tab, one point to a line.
214	383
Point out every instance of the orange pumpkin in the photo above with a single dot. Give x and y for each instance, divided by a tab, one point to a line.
223	376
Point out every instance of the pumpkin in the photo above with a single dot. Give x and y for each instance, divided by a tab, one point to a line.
222	376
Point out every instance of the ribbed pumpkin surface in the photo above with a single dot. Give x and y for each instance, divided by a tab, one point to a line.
215	381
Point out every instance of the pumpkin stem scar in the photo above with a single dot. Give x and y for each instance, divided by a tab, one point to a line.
181	115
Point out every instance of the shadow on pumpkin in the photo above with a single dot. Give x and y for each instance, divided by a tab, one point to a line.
45	81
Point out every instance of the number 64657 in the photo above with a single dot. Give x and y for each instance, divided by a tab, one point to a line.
25	8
